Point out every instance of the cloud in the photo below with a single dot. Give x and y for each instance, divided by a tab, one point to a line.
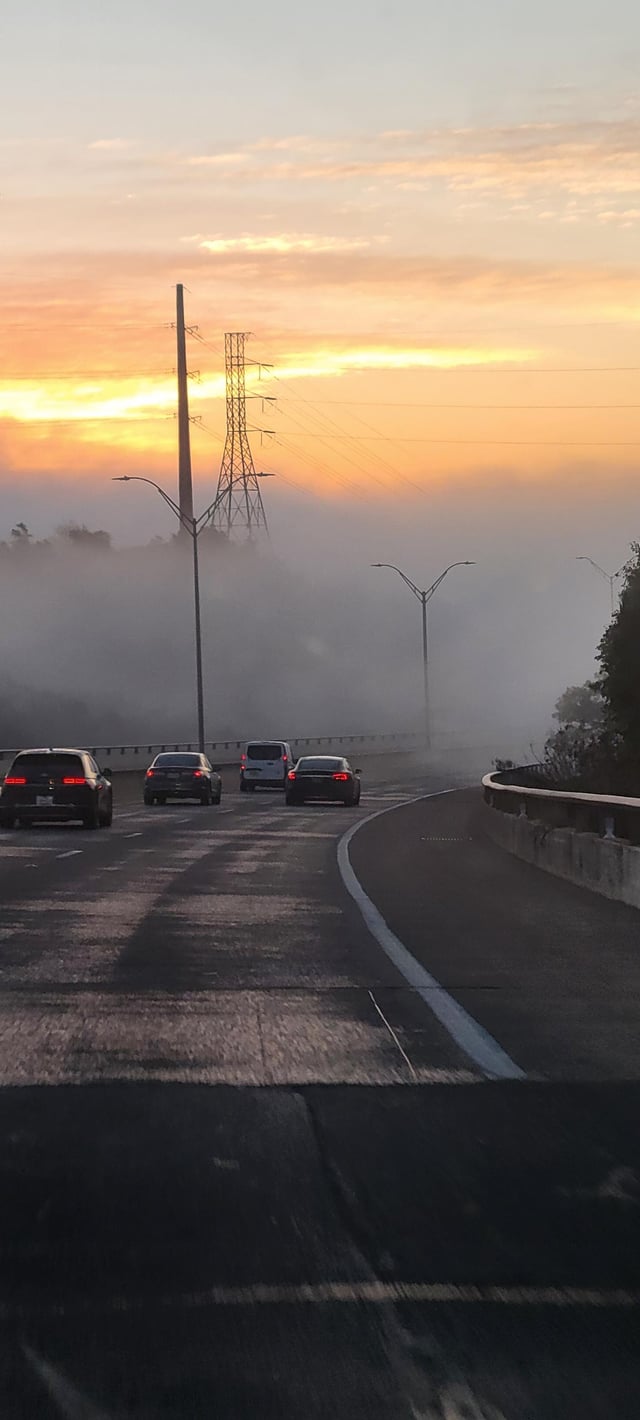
580	158
215	160
280	243
111	145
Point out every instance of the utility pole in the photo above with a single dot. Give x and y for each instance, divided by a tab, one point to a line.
238	502
185	486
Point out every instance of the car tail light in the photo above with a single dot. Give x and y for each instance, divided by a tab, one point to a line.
74	779
342	777
198	774
243	757
150	773
284	759
14	779
291	774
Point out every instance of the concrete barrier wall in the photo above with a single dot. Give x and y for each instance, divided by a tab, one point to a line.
606	865
126	758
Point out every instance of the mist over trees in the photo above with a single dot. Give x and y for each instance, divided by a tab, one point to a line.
597	746
98	644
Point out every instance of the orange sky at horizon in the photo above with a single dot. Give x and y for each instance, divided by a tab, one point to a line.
443	296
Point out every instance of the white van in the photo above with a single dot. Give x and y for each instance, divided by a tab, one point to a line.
265	763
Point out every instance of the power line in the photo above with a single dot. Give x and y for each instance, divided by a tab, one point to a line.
403	439
195	335
421	404
344	435
93	419
322	438
322	468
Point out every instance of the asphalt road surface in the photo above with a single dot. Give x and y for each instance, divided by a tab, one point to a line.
254	1165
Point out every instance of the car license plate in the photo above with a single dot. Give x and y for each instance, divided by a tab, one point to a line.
42	800
173	774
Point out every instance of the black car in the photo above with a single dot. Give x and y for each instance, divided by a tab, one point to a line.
57	785
323	776
182	776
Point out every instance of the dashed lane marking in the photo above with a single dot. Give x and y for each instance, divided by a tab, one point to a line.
133	835
73	853
435	838
370	1292
467	1033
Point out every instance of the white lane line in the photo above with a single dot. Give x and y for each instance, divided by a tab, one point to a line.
371	1292
73	853
133	835
472	1038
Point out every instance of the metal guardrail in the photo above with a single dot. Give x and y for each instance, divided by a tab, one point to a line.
228	751
608	815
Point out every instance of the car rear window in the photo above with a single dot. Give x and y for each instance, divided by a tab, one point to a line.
34	765
321	762
176	761
264	751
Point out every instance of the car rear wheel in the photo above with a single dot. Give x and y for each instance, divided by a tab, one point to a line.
206	799
149	799
217	797
92	818
107	817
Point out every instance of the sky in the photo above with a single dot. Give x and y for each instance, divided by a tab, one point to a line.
426	217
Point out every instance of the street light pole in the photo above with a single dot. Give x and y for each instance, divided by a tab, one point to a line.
609	577
193	526
424	597
198	630
425	672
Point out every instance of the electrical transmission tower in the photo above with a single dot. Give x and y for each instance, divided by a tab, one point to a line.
238	502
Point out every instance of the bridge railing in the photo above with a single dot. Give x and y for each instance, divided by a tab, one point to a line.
608	815
132	757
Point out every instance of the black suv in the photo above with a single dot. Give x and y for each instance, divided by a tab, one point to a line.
58	785
182	775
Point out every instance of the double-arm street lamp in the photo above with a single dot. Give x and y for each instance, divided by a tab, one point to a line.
609	577
192	526
424	596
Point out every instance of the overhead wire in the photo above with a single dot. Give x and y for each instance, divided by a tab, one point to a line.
428	404
411	439
319	419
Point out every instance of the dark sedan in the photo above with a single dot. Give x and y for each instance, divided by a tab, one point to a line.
182	776
57	785
323	776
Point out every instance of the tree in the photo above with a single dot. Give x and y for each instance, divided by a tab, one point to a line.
580	705
20	534
619	660
81	536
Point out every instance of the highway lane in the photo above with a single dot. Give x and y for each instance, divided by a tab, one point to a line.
244	1172
210	945
549	969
